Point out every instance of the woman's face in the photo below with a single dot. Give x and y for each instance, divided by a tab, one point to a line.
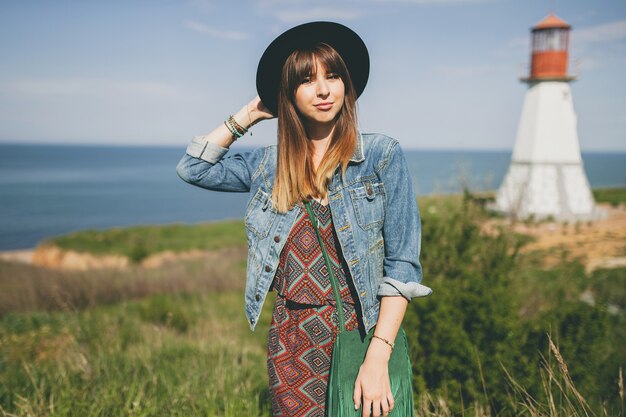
320	97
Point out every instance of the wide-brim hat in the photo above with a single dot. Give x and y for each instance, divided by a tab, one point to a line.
343	39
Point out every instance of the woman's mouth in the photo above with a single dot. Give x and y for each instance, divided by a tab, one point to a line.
324	106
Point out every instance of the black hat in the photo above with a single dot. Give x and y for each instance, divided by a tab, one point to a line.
343	39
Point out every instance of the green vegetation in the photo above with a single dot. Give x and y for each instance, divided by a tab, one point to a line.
175	355
493	309
614	196
500	335
139	242
26	288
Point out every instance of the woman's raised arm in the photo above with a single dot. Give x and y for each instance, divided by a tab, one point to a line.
204	164
249	115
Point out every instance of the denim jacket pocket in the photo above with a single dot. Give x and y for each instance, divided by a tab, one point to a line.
369	204
260	214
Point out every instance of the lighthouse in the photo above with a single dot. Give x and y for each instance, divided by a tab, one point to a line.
546	178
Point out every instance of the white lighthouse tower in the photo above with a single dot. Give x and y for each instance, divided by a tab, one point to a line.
546	178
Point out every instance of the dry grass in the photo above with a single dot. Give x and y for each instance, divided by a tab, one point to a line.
562	396
26	287
595	244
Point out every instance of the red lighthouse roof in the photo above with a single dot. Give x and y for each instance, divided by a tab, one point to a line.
552	21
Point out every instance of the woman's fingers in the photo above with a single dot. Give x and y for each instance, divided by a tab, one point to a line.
385	407
357	395
376	406
375	400
367	408
261	108
390	401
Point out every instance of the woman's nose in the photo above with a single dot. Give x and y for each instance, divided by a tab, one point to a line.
322	87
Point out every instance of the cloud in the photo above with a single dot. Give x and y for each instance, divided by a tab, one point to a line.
215	33
80	86
318	13
604	33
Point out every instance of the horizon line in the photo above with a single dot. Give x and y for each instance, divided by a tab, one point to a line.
183	145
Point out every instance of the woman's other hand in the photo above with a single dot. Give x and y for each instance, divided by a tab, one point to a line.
258	111
252	113
372	388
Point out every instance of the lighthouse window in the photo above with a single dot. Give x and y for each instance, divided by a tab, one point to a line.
550	40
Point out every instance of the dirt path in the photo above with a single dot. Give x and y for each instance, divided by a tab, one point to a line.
597	244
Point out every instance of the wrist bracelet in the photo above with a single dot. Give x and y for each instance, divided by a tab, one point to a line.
242	130
391	344
233	131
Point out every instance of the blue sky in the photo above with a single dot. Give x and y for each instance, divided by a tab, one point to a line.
444	72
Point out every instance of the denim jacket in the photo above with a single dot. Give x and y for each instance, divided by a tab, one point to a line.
374	211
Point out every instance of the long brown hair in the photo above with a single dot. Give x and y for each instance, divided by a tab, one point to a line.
296	178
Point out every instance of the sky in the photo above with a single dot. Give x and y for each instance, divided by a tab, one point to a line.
444	73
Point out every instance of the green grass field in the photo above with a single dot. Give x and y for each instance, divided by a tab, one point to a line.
139	242
174	340
166	355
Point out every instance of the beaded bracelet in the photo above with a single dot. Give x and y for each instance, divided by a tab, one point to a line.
233	131
237	126
391	344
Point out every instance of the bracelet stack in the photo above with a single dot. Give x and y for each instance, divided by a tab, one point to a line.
391	344
235	128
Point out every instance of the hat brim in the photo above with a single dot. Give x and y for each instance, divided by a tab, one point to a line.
343	39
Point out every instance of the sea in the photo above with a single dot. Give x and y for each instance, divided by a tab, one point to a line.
50	190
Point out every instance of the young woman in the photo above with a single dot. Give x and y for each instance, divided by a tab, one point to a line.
361	193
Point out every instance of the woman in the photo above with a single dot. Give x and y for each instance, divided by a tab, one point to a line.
361	193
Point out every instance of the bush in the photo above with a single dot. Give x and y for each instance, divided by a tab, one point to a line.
467	327
492	308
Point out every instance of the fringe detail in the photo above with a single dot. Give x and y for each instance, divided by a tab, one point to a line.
341	404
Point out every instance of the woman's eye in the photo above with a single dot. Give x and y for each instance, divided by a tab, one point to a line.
332	76
306	80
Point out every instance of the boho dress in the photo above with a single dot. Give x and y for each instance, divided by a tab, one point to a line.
304	320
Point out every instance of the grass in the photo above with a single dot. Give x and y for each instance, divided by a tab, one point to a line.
165	355
139	242
174	340
613	196
26	288
185	355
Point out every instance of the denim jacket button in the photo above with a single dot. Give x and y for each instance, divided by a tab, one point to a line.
257	297
276	239
267	268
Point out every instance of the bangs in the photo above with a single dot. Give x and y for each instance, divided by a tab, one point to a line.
301	64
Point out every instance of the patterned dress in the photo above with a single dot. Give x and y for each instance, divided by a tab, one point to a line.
304	321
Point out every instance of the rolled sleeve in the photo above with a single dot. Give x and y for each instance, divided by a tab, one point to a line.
199	147
402	271
393	287
207	165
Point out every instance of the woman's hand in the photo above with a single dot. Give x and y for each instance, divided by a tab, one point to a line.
252	113
258	111
372	389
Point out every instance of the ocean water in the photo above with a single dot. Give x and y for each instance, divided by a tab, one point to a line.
47	190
